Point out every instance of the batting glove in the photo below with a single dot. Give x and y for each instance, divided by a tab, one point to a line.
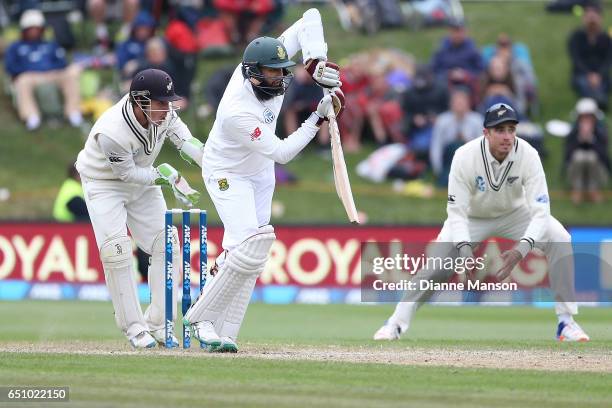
325	74
333	101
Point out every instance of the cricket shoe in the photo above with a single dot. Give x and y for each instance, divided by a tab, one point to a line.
143	340
571	332
205	333
160	336
227	346
388	332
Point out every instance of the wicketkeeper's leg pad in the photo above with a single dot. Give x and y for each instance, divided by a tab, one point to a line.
155	313
116	257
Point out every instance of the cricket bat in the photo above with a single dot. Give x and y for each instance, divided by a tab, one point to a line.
341	179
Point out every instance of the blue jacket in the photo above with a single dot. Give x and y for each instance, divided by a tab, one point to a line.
464	56
24	56
133	49
129	50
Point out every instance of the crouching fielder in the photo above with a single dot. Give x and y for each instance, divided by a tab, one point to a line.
122	188
238	168
497	188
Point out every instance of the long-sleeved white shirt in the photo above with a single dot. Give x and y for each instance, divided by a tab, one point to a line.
242	140
119	148
474	191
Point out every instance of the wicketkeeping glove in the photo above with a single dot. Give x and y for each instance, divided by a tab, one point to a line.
326	74
169	176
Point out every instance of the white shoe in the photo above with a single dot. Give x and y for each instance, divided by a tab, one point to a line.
33	122
388	332
75	119
571	332
205	333
228	345
160	336
143	340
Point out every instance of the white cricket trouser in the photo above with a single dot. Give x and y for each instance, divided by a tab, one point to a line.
556	246
114	206
243	203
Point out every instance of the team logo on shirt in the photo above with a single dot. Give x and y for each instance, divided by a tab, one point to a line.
451	199
542	199
255	135
512	179
480	183
268	116
223	184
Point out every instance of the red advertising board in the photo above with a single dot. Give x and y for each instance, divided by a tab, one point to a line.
301	255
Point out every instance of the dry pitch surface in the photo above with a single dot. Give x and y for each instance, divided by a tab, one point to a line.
530	359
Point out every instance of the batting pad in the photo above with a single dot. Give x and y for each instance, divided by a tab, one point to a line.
155	314
116	257
310	35
242	265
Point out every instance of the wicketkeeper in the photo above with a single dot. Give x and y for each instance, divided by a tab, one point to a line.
497	188
238	168
123	189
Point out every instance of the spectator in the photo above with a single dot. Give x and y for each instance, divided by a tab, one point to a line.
31	62
301	98
590	49
130	51
244	19
214	89
452	129
586	153
421	104
98	10
517	57
69	204
458	61
155	56
498	84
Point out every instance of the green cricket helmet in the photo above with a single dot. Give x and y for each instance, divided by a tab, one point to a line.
270	53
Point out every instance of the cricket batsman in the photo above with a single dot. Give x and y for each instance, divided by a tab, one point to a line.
497	188
123	189
238	168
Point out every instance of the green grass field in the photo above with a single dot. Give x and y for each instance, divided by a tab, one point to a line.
307	355
34	163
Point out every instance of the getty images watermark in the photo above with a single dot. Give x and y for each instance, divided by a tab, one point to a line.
392	268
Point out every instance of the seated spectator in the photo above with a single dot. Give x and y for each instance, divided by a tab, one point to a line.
244	19
214	89
498	84
458	61
300	100
98	10
421	104
130	51
373	82
590	50
31	62
452	129
155	56
518	58
586	153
